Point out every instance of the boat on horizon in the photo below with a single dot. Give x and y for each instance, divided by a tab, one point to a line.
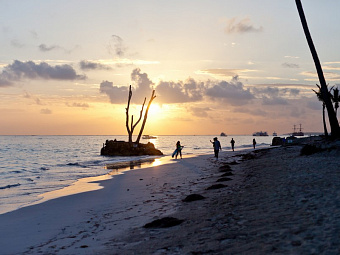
261	133
274	133
149	137
297	133
223	134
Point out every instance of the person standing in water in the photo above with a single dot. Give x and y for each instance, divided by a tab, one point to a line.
232	143
179	149
254	143
217	146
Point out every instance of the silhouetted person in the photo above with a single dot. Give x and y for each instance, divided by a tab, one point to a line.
217	147
179	149
232	143
254	143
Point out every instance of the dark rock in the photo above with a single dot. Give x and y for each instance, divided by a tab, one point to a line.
217	186
309	150
121	148
277	141
224	168
164	223
248	156
224	179
234	163
193	197
227	174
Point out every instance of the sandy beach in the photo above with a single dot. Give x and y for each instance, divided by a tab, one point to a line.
271	201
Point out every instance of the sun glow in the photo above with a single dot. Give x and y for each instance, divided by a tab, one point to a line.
155	112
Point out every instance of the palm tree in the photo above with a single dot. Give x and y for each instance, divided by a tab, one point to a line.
333	121
321	99
336	100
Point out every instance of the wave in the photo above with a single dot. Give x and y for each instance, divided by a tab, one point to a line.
77	164
10	186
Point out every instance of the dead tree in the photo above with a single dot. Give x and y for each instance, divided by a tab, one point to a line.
333	121
145	116
131	128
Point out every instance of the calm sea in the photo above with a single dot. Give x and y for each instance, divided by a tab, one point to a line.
33	165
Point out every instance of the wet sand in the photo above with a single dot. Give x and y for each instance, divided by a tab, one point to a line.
271	201
282	203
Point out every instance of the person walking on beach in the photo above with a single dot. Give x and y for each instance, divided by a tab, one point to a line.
254	143
217	146
179	149
232	143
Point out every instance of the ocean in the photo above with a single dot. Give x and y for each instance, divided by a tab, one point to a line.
34	165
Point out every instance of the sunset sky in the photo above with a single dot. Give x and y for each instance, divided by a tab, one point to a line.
236	66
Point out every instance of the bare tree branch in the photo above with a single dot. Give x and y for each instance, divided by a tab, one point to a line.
145	116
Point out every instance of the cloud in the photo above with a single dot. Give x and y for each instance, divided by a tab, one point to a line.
80	105
180	92
30	70
45	48
292	92
116	46
166	92
36	99
314	104
90	65
251	111
201	112
314	76
268	91
220	72
143	84
331	67
232	92
294	57
171	92
34	34
274	101
27	95
298	112
290	65
274	95
228	93
242	26
119	94
226	73
15	43
45	111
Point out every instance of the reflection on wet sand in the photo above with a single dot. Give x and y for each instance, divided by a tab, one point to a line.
120	167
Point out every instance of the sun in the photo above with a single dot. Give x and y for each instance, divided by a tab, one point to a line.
155	111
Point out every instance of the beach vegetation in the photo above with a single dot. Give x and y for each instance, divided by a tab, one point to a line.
321	99
336	99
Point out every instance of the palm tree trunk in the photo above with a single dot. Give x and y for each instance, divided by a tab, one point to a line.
324	120
335	129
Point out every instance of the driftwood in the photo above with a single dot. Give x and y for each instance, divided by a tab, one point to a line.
130	148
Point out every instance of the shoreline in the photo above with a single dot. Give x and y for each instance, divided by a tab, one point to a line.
92	183
126	200
111	220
